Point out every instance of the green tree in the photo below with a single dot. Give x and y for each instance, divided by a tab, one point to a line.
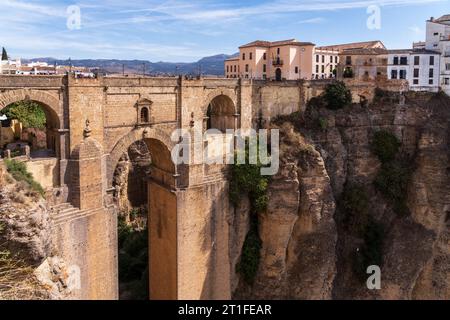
29	113
385	146
337	95
4	55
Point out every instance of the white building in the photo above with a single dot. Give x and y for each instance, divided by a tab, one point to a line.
420	67
325	62
438	39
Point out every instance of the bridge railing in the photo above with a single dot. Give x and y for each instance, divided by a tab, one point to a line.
20	81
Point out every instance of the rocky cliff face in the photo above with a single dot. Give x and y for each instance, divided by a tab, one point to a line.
307	251
29	266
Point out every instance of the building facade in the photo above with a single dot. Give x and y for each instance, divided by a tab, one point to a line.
438	39
280	60
289	60
420	67
363	64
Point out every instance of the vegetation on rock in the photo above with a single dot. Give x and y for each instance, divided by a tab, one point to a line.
337	95
392	182
133	261
19	172
395	173
385	146
371	252
354	204
246	180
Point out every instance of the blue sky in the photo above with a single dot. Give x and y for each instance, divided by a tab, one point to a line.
184	31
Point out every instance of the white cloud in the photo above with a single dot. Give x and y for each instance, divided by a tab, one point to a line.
311	21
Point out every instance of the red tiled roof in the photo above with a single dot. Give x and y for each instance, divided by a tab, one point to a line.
368	51
268	44
354	45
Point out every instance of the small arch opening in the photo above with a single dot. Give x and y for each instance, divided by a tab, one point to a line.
144	116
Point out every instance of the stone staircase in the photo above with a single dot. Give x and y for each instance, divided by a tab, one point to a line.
65	212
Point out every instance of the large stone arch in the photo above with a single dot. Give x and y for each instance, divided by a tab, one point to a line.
50	102
220	110
230	93
124	143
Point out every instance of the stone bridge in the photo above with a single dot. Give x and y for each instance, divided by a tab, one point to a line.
90	125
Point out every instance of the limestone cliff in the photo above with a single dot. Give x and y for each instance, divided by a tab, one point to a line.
29	267
307	251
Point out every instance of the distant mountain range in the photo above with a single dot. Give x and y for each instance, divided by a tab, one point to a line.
213	65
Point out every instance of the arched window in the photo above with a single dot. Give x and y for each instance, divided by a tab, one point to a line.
144	115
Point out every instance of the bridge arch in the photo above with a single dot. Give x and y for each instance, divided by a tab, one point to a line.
221	112
50	103
159	183
152	136
51	106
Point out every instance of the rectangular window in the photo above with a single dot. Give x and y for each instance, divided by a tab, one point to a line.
430	81
431	60
348	60
416	73
228	68
447	66
317	58
331	69
416	60
335	59
246	68
447	81
296	69
331	59
264	68
431	73
416	81
234	68
243	56
323	69
403	61
264	56
395	60
317	68
250	56
323	59
278	51
403	74
393	74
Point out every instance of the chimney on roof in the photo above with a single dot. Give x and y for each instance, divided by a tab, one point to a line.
432	19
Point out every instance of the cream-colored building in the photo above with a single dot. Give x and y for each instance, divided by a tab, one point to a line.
289	60
280	60
363	64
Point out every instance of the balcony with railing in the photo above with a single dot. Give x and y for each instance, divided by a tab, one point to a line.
277	62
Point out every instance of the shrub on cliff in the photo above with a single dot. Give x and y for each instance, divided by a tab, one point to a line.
354	205
371	252
249	263
385	146
19	172
246	179
392	181
337	95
